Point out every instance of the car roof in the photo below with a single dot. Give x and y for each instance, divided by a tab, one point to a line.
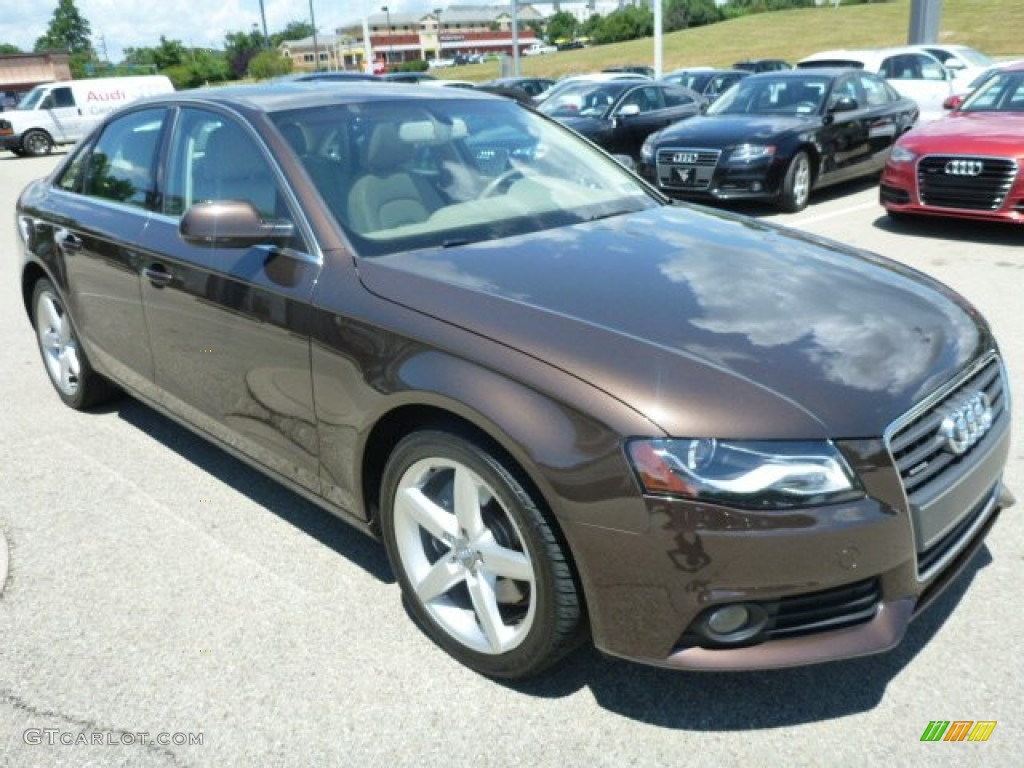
281	96
866	56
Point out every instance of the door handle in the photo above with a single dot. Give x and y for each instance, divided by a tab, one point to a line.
69	242
158	276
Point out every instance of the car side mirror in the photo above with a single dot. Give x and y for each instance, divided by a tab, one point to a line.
844	104
628	110
953	102
231	224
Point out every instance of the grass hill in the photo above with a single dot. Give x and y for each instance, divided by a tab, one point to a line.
991	26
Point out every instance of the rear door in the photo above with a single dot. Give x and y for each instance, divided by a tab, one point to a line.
229	325
102	208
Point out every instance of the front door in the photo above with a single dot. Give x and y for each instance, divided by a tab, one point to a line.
229	326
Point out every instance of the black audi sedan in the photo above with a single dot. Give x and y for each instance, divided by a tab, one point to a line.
776	136
567	406
619	115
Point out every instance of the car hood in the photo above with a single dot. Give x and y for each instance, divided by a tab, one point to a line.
706	323
997	133
729	130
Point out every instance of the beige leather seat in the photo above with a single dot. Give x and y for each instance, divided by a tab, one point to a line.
234	169
388	195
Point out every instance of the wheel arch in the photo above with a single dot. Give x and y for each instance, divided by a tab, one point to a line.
405	419
31	275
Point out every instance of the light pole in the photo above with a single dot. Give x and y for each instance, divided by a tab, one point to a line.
316	46
263	16
437	13
391	46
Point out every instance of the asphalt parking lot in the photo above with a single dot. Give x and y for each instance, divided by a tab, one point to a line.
161	591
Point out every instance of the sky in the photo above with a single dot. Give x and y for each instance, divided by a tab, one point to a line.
140	23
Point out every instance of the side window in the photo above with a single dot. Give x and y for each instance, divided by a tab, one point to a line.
213	158
71	179
676	98
876	93
930	69
647	99
62	97
122	164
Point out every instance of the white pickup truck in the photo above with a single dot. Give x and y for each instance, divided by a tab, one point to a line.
538	48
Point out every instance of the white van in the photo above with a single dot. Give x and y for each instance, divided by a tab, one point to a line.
64	112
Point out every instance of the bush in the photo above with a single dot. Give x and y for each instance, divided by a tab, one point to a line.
416	65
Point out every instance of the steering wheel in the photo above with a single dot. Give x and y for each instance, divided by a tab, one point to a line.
500	181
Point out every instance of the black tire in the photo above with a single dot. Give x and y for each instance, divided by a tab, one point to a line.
504	601
796	186
66	365
36	143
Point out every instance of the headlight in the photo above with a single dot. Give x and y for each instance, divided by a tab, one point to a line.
647	150
901	155
759	474
745	153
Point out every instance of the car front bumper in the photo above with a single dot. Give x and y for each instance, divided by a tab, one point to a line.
900	192
834	582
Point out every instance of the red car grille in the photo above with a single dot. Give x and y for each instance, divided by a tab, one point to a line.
964	181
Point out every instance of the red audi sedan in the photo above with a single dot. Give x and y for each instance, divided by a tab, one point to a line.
968	164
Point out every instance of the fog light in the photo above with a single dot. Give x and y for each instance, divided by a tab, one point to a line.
731	618
755	186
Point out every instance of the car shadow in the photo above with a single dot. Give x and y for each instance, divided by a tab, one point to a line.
948	228
738	701
302	514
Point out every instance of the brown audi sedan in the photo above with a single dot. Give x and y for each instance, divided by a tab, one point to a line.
568	407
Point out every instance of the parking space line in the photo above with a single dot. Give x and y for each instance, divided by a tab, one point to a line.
822	217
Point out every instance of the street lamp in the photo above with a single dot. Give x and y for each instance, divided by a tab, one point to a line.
391	45
437	13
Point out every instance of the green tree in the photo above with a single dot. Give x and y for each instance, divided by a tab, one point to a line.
239	48
68	31
269	63
295	30
6	48
628	23
682	14
562	26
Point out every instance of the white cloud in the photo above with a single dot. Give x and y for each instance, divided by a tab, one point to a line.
140	23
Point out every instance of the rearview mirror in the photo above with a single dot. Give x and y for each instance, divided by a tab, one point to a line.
629	110
231	224
953	102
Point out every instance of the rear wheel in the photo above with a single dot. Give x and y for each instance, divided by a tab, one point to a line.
66	364
478	563
796	187
35	143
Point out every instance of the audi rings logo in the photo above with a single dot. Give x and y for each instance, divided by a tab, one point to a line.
965	421
964	167
685	157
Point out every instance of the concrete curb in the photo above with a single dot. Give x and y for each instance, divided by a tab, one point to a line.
4	561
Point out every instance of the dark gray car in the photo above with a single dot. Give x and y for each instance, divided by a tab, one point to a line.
569	408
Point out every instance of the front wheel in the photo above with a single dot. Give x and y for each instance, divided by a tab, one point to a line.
478	563
66	364
796	186
36	143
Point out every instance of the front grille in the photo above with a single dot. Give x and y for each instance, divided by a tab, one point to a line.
919	449
966	182
686	168
823	611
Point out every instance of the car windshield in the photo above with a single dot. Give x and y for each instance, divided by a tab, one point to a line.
974	58
584	99
442	172
1003	92
772	95
31	99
